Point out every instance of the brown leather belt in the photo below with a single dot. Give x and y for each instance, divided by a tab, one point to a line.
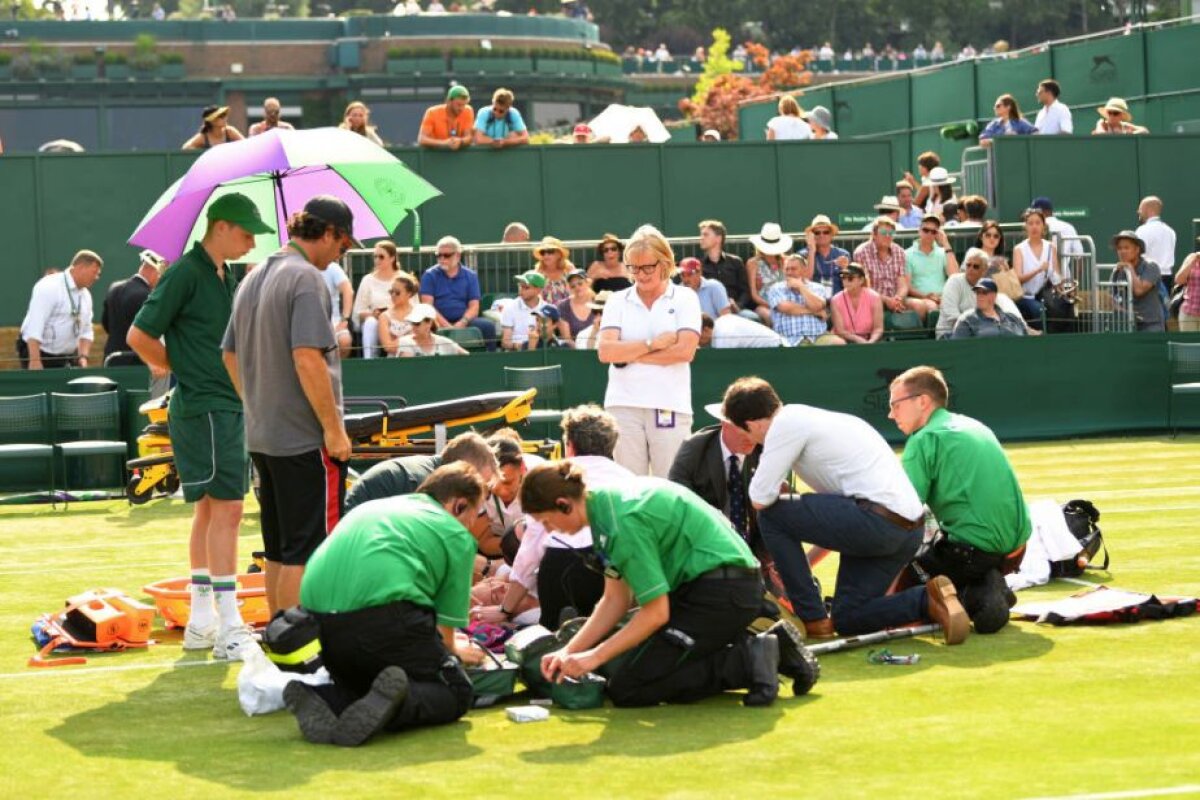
888	514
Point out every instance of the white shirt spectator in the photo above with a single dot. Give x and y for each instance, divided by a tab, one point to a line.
825	53
1053	119
59	315
1063	229
334	277
667	387
731	331
584	340
958	298
789	128
520	317
662	53
436	7
372	293
1031	262
1160	243
832	453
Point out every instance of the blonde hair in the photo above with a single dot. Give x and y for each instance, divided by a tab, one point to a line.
788	106
503	96
650	238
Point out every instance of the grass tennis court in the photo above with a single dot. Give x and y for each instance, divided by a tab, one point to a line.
1030	712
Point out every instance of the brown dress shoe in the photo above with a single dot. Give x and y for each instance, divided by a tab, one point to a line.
946	610
819	629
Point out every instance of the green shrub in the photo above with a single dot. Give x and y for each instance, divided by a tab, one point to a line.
171	58
116	58
83	58
5	58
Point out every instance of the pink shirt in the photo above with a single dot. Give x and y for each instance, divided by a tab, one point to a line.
884	271
861	318
1191	305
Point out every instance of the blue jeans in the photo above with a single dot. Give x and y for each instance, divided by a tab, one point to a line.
873	551
1031	309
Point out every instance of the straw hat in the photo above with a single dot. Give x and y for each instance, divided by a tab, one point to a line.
940	176
212	113
599	300
822	221
1116	104
551	243
888	203
771	240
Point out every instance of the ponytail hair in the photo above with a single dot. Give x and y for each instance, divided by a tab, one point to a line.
546	484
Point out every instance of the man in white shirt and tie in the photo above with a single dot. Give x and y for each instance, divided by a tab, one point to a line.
862	506
57	330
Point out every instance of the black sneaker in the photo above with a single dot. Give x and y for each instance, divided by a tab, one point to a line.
795	660
313	714
762	651
368	715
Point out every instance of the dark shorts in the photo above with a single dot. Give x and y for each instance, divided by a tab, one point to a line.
210	455
302	497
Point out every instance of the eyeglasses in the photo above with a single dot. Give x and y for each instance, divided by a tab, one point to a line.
892	405
888	232
934	231
445	256
643	269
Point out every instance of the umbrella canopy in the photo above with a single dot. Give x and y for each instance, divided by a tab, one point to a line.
280	171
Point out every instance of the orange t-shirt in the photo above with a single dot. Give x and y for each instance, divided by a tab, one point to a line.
438	124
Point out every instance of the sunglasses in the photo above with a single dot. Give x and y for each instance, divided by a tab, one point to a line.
380	256
612	248
825	232
849	276
643	269
888	232
445	256
548	252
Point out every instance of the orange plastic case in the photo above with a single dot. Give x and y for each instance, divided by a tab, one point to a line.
174	601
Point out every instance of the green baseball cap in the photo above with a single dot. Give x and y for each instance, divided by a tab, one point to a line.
241	211
533	278
458	91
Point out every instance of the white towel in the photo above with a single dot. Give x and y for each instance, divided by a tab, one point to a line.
1051	540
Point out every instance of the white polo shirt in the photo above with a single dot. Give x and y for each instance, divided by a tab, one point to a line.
59	315
832	453
731	331
520	317
668	387
1054	118
1160	243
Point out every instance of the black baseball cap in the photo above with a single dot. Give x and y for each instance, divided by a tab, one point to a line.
333	211
853	269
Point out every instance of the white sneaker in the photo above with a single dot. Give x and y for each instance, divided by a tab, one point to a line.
197	638
232	643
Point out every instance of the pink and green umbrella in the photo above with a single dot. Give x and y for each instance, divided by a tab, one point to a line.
280	171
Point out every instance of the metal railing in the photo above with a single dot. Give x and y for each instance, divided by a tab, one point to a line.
1102	304
977	173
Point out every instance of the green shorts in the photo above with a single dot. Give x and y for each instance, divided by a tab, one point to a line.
210	455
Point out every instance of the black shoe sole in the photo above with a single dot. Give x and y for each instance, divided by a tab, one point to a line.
368	715
314	716
795	660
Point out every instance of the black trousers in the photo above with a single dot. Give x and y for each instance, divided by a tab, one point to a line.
700	652
563	581
49	360
966	566
356	645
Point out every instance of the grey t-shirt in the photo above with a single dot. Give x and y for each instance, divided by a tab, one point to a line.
1149	307
282	304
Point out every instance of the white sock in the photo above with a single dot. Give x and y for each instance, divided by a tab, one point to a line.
203	612
225	591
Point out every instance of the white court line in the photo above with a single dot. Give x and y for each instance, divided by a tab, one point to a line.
181	541
68	671
42	570
1163	792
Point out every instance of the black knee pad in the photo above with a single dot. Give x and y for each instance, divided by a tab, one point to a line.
455	677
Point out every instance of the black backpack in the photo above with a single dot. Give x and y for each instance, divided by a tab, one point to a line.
292	640
1081	517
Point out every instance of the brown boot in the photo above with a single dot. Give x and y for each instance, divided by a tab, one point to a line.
819	629
945	609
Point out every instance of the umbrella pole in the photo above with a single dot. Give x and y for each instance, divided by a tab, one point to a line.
416	244
277	177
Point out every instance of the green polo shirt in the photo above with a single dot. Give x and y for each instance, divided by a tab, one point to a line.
190	309
657	536
400	548
960	471
926	271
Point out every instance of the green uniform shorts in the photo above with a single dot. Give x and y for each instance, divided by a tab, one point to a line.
210	455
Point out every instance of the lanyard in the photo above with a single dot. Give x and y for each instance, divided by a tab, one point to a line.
71	300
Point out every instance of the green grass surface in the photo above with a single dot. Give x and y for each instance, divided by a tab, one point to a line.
1032	711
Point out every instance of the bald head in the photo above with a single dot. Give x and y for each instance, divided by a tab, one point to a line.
1150	206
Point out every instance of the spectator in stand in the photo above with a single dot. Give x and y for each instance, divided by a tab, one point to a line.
826	53
958	297
950	212
270	120
910	215
587	338
1053	117
941	190
920	53
1008	121
821	122
374	295
662	54
575	313
357	119
1034	261
765	268
121	304
713	300
552	260
827	260
519	328
423	341
394	323
732	332
790	124
986	319
1188	278
57	329
857	309
711	135
699	56
975	208
341	306
406	8
608	273
582	134
435	7
928	262
648	336
926	163
937	53
885	261
799	306
888	207
991	242
453	290
500	124
515	233
1143	278
449	126
1159	238
1116	119
725	267
1056	227
214	130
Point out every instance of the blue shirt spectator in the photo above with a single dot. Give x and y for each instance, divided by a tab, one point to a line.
796	328
825	268
714	300
498	127
450	294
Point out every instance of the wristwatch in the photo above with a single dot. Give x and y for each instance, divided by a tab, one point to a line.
650	345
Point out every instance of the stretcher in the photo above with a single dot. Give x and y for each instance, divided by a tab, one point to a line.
392	428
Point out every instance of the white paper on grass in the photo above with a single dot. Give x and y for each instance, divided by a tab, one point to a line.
1051	540
1093	601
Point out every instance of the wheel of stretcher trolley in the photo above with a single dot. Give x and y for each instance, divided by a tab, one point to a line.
138	496
170	484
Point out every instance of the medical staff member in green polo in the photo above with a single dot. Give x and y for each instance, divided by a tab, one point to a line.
694	580
960	471
388	587
189	309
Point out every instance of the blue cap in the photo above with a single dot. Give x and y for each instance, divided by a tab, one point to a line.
1042	203
548	311
985	285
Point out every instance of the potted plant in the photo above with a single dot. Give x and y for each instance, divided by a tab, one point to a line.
409	60
606	63
171	66
512	59
473	60
116	66
47	63
5	65
84	67
145	55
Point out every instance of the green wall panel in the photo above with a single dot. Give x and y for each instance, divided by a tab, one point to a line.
816	179
1171	59
873	107
752	121
478	186
605	188
699	187
19	212
1170	168
943	95
1016	76
1092	72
